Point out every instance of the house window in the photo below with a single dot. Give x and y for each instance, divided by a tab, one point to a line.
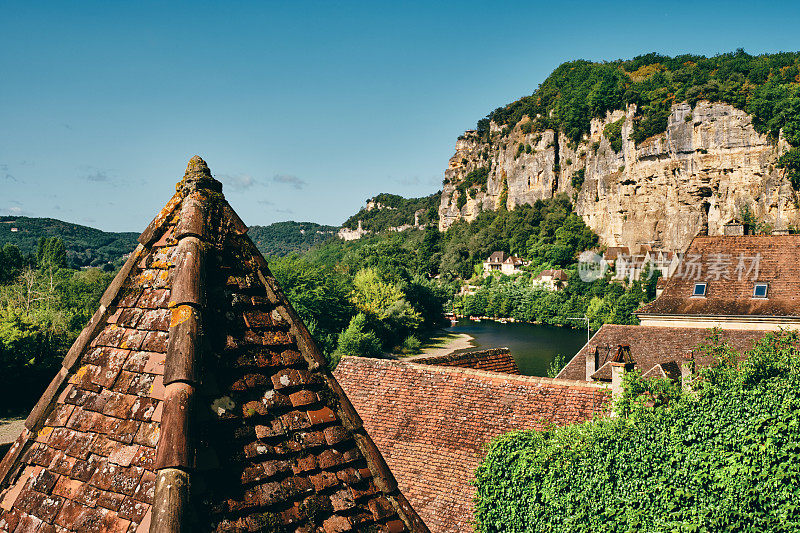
699	289
760	290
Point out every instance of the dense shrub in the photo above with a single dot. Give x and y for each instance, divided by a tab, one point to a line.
577	178
613	133
725	457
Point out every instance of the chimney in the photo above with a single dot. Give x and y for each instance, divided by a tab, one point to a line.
592	361
617	373
735	228
622	362
687	369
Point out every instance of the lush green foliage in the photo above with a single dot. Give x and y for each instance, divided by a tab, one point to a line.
765	86
43	307
363	297
475	180
724	457
613	133
397	211
84	246
546	232
283	238
519	297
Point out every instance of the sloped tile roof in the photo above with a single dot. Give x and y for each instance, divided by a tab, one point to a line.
494	360
431	423
650	346
196	371
497	257
615	251
730	292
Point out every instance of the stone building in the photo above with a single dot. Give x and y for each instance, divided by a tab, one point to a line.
732	282
503	263
745	285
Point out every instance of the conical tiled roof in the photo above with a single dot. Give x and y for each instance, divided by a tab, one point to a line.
196	400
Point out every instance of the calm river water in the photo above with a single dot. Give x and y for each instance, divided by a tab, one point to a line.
533	346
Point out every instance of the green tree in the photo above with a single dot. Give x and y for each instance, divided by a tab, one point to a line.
358	340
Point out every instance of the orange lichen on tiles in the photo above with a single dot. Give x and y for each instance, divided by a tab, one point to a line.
257	454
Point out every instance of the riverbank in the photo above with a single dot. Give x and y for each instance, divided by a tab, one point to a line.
443	343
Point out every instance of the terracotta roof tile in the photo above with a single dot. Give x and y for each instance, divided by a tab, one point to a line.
495	360
251	415
651	346
431	423
716	259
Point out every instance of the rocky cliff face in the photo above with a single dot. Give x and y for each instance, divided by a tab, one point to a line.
697	176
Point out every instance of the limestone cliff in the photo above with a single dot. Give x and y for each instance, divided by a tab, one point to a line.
697	175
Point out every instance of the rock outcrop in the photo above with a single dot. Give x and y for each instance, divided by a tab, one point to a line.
706	169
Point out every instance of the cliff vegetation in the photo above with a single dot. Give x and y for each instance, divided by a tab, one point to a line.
721	133
765	86
386	211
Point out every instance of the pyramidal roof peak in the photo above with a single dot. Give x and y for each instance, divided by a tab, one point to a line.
196	400
198	176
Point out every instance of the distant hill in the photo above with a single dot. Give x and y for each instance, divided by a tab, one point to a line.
390	210
85	246
283	238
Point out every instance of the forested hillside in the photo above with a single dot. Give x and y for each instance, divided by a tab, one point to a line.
84	246
390	210
282	238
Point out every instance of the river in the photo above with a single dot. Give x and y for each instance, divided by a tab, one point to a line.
533	346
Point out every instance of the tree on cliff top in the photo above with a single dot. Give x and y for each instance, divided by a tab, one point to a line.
766	86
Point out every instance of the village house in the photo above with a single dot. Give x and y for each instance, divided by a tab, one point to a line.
732	282
630	267
503	263
743	284
657	351
551	280
432	422
246	414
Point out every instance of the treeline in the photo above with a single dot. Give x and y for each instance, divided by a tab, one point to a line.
84	246
283	238
384	292
521	298
766	86
719	457
367	308
396	211
43	306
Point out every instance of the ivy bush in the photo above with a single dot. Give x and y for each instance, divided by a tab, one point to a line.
723	457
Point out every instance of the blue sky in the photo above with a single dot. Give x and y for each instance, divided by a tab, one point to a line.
302	109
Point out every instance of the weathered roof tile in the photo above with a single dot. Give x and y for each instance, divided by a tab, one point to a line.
431	423
251	418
